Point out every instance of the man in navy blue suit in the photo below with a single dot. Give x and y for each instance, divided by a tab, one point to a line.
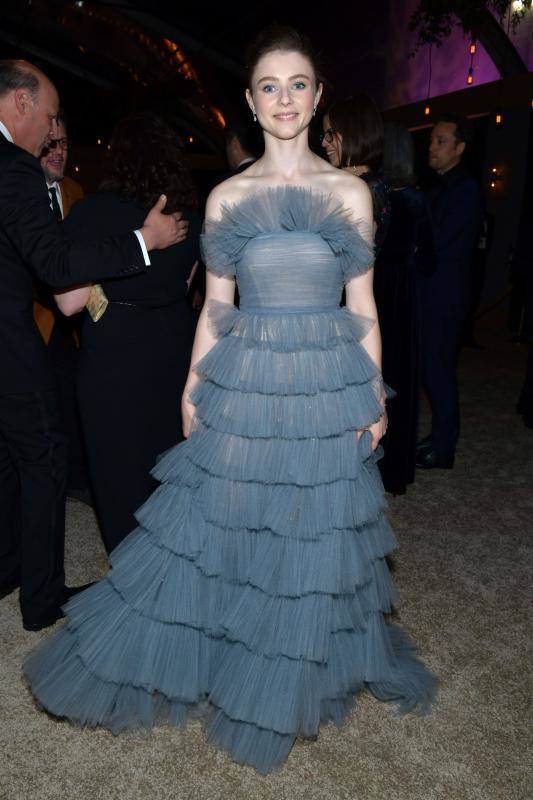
456	214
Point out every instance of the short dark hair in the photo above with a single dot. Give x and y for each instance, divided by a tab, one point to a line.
359	122
280	37
398	156
62	118
147	160
249	135
14	75
464	131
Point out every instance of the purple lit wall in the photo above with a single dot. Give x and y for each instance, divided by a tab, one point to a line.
407	79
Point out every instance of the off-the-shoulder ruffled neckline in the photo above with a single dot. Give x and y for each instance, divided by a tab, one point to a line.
325	196
280	209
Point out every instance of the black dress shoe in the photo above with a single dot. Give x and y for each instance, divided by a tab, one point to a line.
44	622
429	459
423	444
51	618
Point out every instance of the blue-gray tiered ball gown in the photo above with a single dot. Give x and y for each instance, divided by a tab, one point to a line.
256	579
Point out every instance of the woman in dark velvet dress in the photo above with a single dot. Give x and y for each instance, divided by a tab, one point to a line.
407	254
353	140
135	359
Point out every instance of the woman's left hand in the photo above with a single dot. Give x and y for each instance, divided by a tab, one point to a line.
377	430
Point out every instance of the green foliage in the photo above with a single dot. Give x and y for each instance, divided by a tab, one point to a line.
434	20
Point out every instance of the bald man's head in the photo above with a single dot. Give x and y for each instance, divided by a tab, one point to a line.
28	104
19	75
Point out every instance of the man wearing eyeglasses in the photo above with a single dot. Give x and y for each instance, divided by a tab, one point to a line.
63	193
61	333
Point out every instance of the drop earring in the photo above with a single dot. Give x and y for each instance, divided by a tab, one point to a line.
254	115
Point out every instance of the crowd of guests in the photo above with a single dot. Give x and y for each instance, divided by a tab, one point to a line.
125	358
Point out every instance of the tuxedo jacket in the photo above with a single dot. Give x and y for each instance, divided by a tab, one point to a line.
32	245
45	310
455	205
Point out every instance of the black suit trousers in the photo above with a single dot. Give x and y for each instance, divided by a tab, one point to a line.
33	468
442	330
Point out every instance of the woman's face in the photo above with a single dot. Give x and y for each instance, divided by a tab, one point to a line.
283	93
331	142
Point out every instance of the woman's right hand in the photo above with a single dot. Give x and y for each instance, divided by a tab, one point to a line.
187	413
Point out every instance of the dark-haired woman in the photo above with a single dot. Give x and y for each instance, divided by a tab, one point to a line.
134	360
353	140
406	256
256	580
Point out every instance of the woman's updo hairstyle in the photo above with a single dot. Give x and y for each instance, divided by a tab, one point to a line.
284	38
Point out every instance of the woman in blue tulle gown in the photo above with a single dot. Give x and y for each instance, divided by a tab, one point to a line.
255	585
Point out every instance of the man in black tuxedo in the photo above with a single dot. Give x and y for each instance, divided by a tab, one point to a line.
32	444
244	145
455	206
61	333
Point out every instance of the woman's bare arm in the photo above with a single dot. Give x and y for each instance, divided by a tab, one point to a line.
71	301
191	275
221	289
360	294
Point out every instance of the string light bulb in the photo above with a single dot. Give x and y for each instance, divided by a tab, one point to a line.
427	108
470	76
495	178
498	118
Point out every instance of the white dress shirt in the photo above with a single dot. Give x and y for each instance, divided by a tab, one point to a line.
5	131
55	185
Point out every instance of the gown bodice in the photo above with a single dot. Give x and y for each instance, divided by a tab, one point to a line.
289	270
289	247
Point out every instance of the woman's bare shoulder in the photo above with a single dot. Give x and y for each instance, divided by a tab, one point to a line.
354	193
225	193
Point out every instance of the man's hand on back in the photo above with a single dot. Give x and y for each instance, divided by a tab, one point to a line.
162	230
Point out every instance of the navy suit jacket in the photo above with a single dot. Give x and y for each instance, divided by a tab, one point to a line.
32	245
455	206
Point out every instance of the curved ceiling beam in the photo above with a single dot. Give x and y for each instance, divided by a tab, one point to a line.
500	48
191	43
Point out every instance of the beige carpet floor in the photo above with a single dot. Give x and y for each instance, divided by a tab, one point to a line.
462	570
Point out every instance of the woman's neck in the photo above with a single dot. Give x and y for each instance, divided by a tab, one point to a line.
286	159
